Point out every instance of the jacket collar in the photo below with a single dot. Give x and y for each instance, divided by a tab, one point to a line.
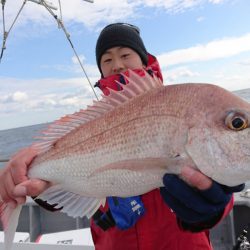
153	68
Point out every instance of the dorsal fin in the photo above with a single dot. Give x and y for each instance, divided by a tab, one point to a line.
136	86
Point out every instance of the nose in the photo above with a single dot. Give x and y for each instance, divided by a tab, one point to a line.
118	66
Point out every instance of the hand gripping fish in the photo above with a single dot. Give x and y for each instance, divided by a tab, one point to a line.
123	144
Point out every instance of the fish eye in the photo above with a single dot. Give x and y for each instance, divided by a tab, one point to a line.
236	121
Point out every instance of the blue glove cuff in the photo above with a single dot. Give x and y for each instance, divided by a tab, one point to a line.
126	211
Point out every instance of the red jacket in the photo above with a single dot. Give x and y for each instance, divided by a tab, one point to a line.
158	227
156	230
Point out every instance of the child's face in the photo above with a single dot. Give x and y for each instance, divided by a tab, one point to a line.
119	59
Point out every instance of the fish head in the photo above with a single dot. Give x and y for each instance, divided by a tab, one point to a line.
219	136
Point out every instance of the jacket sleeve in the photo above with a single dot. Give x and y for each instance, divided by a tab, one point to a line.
208	224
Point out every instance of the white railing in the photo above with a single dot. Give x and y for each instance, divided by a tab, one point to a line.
35	246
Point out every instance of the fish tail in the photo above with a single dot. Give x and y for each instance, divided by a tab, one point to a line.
9	218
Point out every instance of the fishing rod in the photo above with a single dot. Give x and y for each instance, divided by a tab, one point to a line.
6	33
50	7
61	25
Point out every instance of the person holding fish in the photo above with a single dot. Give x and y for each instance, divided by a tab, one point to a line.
176	216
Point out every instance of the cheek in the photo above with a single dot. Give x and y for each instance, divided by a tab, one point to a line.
134	63
106	70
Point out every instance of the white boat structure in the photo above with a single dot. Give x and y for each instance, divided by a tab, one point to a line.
41	229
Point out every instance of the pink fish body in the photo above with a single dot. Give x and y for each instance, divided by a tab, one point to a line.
125	143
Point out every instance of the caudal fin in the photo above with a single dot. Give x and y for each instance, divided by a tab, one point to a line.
9	218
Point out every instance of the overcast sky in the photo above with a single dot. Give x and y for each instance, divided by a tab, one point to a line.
194	40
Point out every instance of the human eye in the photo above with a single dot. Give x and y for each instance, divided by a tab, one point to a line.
107	60
125	55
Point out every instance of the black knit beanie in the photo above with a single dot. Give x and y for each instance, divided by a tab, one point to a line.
120	34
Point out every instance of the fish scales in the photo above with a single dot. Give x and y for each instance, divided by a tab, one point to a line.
140	129
148	105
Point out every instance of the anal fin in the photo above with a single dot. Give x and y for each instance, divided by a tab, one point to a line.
72	204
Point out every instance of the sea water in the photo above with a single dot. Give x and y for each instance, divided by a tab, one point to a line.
11	140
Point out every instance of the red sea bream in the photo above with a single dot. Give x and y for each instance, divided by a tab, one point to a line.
125	143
